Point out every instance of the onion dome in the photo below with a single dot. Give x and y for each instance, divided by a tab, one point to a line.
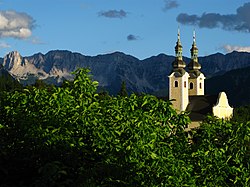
194	64
178	62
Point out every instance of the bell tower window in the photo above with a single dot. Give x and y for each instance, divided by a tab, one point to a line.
175	83
191	86
200	85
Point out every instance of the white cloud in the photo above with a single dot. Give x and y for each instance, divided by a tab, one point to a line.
231	48
15	24
35	40
4	45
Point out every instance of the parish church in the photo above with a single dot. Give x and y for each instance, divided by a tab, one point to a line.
187	88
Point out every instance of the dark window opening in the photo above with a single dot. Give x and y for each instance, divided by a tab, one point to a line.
175	83
191	86
200	86
185	84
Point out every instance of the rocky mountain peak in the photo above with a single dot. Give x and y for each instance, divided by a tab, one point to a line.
14	54
18	66
13	60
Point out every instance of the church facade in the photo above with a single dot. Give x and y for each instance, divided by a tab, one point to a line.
187	88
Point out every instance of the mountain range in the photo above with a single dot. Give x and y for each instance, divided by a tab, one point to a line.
148	75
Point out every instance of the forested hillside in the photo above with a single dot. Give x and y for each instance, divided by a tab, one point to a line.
73	136
7	82
235	83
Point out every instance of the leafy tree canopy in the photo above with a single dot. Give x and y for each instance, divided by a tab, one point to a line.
72	136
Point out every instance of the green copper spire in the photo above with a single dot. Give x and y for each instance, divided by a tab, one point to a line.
178	63
194	49
194	64
178	47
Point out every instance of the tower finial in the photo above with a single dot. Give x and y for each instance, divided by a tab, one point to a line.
179	35
194	36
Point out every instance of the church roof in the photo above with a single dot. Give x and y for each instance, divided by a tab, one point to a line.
201	105
178	72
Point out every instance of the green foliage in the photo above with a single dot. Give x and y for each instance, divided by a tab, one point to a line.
41	84
72	136
242	114
137	139
8	83
221	153
123	91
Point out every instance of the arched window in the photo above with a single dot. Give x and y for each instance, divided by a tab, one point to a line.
175	83
185	84
191	86
200	85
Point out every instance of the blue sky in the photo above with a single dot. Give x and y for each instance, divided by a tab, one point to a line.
141	28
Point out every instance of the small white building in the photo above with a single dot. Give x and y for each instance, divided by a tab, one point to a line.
222	108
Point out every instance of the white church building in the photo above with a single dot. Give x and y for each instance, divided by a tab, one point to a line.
186	88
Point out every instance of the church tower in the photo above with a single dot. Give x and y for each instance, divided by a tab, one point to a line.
196	78
178	80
